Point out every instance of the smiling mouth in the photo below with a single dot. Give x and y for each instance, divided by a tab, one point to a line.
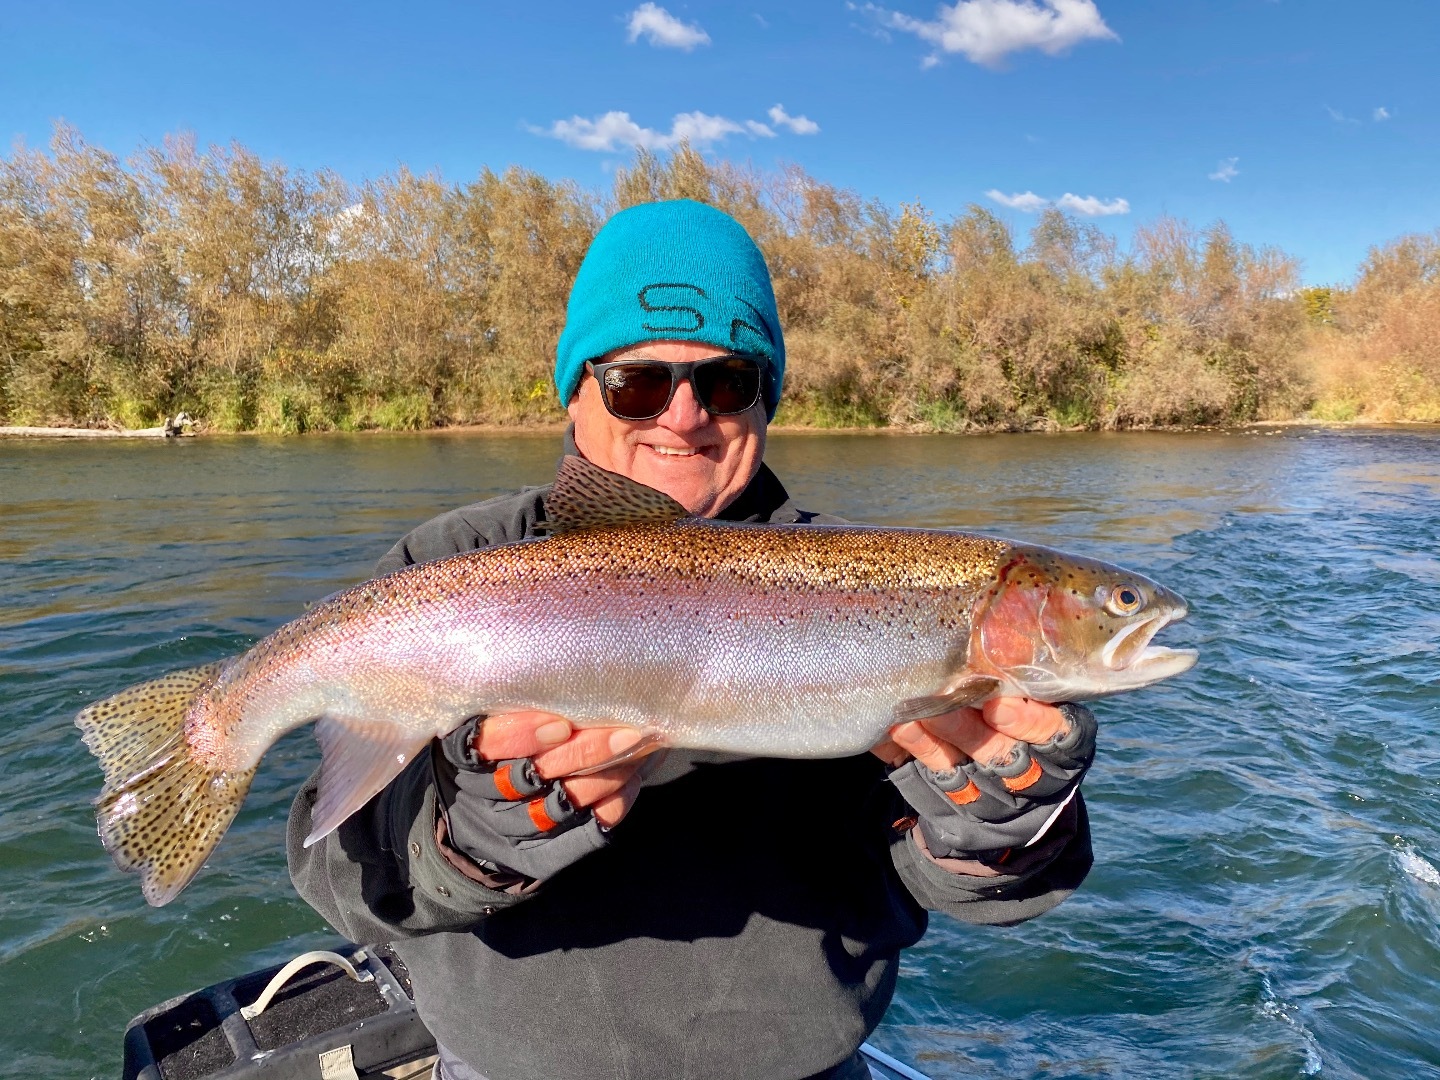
675	451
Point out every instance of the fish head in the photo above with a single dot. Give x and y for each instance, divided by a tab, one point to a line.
1057	627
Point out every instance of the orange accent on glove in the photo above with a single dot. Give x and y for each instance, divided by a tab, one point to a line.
539	815
1025	779
968	794
505	784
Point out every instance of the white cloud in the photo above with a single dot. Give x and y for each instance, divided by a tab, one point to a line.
698	129
1027	202
608	132
986	31
616	131
1339	117
1090	206
800	125
664	30
1226	171
1380	113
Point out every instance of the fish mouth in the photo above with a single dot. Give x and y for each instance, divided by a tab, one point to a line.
1131	654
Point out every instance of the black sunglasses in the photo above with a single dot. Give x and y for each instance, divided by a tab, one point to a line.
643	389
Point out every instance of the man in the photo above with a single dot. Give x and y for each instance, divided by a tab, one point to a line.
691	916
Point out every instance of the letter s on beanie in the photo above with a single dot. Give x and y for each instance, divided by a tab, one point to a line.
676	270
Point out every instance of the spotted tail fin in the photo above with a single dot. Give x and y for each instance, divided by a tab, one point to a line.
161	812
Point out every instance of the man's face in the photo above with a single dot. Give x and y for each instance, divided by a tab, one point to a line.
701	461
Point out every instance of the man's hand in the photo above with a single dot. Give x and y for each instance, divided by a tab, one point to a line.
559	750
987	784
988	734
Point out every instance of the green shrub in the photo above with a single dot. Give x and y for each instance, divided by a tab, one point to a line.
1338	409
404	412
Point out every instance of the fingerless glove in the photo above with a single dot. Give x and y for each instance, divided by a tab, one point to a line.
976	810
503	816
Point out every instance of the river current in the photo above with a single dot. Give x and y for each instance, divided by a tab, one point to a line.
1265	900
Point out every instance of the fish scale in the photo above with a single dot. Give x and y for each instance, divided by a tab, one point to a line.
630	614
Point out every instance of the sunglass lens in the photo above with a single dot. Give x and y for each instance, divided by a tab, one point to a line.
728	386
637	391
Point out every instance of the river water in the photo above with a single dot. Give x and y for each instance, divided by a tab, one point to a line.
1265	898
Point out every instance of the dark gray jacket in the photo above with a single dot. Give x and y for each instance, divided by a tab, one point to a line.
744	920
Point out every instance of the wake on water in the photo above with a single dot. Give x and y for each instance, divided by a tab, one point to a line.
1413	863
1273	1007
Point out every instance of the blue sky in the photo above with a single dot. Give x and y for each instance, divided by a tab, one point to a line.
1313	126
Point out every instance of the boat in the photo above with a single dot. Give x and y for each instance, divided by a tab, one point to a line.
344	1013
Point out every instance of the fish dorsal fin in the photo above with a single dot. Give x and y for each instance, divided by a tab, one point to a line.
586	496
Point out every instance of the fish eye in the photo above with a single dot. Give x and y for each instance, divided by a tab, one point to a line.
1124	600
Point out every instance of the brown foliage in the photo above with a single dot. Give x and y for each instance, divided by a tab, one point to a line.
252	295
1380	360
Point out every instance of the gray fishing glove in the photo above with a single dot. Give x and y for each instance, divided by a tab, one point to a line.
976	810
503	816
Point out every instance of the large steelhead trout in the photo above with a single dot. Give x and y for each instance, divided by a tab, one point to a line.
784	641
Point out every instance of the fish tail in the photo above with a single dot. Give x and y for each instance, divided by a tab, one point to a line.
162	810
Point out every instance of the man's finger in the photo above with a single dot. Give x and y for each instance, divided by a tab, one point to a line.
597	788
520	734
967	730
935	754
584	750
1025	720
609	811
888	751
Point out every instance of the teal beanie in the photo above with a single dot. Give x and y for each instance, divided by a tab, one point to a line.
671	270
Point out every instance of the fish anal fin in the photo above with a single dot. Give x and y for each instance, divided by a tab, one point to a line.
585	496
357	759
968	690
649	743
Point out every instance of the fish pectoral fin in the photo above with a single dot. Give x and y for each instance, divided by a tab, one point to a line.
585	496
649	743
968	691
357	759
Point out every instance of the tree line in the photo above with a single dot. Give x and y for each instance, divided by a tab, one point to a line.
257	297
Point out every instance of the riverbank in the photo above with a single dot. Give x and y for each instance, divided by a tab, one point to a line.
557	426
